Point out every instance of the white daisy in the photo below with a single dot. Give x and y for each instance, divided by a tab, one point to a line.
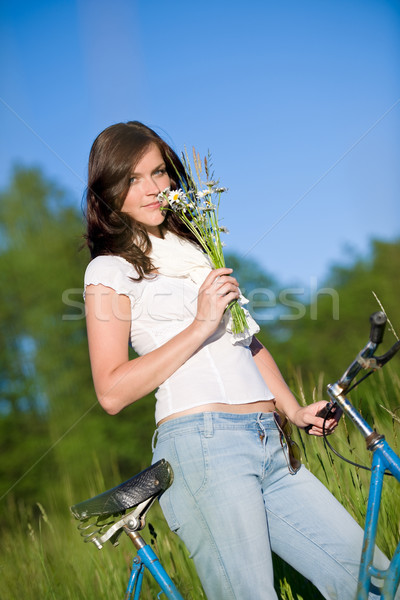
203	193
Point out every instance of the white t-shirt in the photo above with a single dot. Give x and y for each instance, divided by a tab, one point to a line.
162	307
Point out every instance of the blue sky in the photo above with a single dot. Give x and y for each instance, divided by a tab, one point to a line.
298	102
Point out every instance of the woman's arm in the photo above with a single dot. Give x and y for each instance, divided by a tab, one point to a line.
119	381
301	416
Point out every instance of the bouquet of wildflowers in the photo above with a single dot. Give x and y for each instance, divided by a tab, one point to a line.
197	205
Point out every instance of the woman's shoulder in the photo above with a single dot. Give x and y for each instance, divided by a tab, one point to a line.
111	271
106	261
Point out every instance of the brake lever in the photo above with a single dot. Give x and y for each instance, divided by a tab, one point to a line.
329	408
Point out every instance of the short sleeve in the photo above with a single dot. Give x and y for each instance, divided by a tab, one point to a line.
111	271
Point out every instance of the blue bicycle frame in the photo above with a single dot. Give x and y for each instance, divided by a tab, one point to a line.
146	558
384	459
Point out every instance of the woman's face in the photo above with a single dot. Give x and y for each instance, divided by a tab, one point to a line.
148	179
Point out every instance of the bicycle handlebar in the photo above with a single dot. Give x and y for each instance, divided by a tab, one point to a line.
366	359
378	323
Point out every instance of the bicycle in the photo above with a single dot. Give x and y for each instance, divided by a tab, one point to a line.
384	460
105	517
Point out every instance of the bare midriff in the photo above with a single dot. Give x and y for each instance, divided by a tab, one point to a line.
264	406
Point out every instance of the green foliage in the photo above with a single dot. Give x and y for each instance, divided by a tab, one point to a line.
335	325
50	420
42	554
249	274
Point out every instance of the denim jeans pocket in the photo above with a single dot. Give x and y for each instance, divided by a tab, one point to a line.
164	449
191	454
167	504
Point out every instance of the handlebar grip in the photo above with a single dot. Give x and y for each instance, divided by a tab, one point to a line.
323	412
378	322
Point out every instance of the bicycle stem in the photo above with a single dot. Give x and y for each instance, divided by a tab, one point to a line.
336	394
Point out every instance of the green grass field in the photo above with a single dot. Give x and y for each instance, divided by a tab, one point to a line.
43	557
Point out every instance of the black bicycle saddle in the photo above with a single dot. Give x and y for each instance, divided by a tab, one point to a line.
149	483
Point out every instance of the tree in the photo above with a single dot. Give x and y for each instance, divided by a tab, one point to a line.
336	323
49	415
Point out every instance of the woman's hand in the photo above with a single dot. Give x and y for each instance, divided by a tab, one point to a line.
306	415
217	292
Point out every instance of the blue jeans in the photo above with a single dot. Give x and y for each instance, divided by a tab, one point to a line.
233	500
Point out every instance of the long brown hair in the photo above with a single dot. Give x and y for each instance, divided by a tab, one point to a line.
114	153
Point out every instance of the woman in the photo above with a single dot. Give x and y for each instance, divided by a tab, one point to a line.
233	498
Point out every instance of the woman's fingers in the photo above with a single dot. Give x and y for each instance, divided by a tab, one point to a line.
225	286
217	292
220	283
317	428
219	276
313	423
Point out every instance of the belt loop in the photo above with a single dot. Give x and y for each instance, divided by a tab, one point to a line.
208	424
154	440
261	427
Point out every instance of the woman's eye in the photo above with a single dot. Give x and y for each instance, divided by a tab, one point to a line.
161	172
132	180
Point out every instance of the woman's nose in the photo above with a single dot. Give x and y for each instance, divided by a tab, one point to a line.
151	187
